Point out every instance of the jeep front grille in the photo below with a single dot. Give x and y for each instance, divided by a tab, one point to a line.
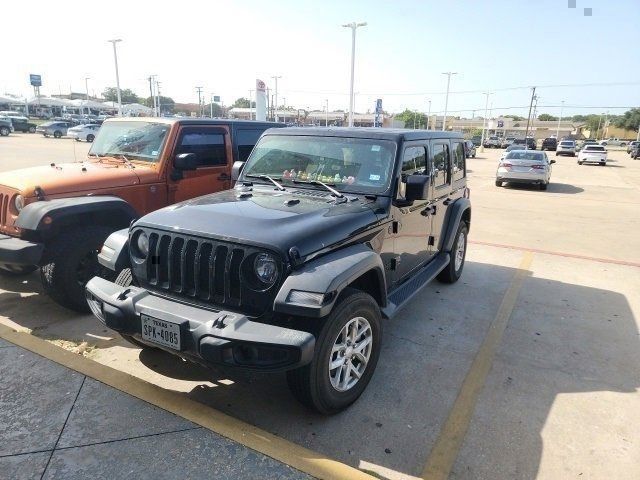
4	209
204	270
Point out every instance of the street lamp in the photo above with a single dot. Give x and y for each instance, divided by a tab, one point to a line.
353	26
276	97
86	91
446	100
484	120
115	58
559	119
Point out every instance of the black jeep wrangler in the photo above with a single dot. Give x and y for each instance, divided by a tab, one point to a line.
327	232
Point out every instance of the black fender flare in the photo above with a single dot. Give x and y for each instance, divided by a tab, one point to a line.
115	251
44	216
330	275
455	214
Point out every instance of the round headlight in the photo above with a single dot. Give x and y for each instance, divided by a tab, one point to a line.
142	244
266	268
18	202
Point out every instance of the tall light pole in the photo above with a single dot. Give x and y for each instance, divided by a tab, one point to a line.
353	26
86	90
284	106
326	112
484	119
199	90
115	58
250	112
559	119
429	115
275	101
446	99
526	132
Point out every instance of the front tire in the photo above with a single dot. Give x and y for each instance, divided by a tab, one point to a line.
346	353
90	138
32	129
498	183
453	271
57	134
4	131
74	263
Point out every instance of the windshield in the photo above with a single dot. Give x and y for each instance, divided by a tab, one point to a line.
525	155
354	165
566	144
136	140
515	147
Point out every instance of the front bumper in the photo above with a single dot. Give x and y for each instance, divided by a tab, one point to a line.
15	251
74	135
206	337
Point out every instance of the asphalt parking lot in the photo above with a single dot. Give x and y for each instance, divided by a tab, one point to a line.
526	368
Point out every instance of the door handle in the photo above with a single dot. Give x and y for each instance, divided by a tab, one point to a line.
430	210
224	176
447	201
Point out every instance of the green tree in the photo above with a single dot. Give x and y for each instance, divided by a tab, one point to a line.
413	119
242	103
217	110
630	120
167	104
545	117
514	117
127	96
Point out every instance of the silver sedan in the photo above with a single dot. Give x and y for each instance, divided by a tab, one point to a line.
525	166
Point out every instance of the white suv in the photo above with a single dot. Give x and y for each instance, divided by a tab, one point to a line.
566	147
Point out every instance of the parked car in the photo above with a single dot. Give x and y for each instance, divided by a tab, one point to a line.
56	129
525	166
593	154
6	126
530	143
492	142
507	141
511	148
635	151
57	216
469	149
549	143
477	140
84	132
327	232
613	142
23	125
632	145
566	147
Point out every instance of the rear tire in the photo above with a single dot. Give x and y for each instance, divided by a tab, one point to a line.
313	384
32	129
603	164
74	263
57	134
453	271
579	162
498	183
543	186
90	138
4	131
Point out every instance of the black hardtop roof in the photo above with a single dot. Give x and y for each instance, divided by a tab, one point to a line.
394	134
225	121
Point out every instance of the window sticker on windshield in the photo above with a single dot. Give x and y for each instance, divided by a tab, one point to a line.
374	177
375	148
155	152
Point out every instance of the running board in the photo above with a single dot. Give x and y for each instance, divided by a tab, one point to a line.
399	297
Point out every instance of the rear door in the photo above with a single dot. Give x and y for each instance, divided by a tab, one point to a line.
212	146
440	188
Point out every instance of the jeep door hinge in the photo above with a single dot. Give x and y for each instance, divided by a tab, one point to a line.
432	240
395	227
393	263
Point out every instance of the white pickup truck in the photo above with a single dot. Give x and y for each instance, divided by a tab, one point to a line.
592	154
613	142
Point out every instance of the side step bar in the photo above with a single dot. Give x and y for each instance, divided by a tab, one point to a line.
399	297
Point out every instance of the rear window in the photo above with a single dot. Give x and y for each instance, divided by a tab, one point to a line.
595	148
525	155
566	144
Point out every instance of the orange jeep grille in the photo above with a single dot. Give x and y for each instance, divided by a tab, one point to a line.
7	218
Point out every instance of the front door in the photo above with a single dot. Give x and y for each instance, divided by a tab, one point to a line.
414	221
212	146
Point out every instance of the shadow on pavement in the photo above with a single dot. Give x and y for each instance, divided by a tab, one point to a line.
553	187
561	339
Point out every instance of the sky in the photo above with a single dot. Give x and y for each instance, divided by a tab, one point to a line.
504	47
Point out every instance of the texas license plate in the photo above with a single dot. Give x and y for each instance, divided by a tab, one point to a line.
161	332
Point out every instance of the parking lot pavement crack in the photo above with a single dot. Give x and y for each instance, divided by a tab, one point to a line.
133	437
5	455
84	377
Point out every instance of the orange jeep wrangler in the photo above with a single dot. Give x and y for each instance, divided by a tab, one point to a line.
57	217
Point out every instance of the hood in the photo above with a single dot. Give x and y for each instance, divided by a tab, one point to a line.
70	177
305	219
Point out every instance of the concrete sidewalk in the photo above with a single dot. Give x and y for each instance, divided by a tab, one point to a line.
58	423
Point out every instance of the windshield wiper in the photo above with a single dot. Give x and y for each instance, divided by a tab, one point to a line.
333	191
122	157
270	179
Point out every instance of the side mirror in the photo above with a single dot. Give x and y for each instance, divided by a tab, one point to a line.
417	187
186	161
236	169
552	161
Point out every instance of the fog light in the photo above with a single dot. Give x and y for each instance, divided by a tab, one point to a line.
306	298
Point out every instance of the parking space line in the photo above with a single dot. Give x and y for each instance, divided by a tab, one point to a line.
445	450
289	453
559	254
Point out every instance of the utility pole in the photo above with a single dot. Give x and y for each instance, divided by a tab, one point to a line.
353	26
326	112
158	98
484	119
605	127
429	116
526	132
559	119
199	90
115	57
284	103
86	89
446	99
598	129
250	112
152	95
211	106
276	77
